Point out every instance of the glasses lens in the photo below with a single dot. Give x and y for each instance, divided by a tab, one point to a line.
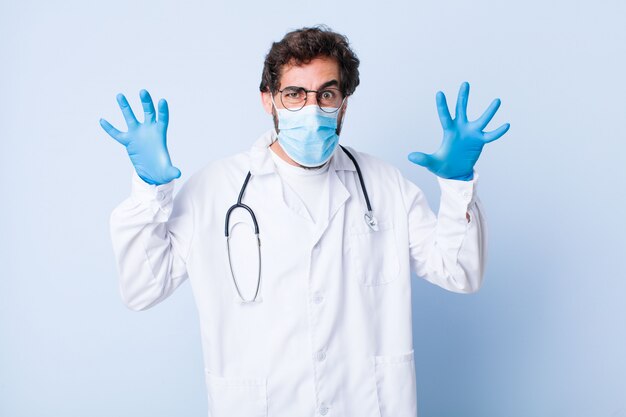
293	98
329	99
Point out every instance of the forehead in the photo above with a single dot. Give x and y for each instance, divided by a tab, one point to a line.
311	75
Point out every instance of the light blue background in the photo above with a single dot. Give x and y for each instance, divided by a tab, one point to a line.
545	336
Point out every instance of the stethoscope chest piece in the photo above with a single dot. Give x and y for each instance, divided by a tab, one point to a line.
369	217
371	221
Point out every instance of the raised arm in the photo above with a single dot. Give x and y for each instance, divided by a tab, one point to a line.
151	231
450	250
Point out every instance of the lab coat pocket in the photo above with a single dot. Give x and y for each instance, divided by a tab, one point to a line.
236	397
395	385
374	255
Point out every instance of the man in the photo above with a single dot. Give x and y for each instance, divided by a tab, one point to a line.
305	304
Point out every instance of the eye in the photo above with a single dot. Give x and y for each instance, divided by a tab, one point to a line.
328	95
293	93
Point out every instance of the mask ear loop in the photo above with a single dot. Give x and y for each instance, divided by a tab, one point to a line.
274	116
344	115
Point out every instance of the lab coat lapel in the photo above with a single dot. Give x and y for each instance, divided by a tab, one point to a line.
261	164
338	194
294	202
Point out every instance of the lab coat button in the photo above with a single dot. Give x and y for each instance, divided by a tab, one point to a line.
321	355
318	298
323	410
160	196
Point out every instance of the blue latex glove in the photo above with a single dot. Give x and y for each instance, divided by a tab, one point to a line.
146	142
463	141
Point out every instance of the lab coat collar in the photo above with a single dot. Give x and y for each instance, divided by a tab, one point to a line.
261	161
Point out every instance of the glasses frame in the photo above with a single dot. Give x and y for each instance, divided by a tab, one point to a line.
306	97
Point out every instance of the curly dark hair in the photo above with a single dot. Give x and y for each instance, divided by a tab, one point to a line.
303	45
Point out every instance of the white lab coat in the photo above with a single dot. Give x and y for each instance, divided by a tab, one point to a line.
331	333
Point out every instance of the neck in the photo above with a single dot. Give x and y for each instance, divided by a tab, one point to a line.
278	150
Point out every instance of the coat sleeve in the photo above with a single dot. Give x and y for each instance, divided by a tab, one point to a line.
447	250
151	234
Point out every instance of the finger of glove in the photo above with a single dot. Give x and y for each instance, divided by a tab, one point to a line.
496	134
149	115
443	111
173	172
113	132
421	159
129	116
486	117
164	114
461	102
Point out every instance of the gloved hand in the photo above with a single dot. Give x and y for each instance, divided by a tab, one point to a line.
145	142
463	141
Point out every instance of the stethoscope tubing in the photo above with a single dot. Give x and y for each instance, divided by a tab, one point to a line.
358	171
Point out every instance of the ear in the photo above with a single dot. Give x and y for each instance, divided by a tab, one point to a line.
266	100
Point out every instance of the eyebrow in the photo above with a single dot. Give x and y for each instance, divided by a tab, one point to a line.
321	87
328	84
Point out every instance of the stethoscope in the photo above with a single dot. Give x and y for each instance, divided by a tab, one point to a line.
370	220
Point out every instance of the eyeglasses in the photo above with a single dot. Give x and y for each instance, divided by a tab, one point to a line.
329	100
